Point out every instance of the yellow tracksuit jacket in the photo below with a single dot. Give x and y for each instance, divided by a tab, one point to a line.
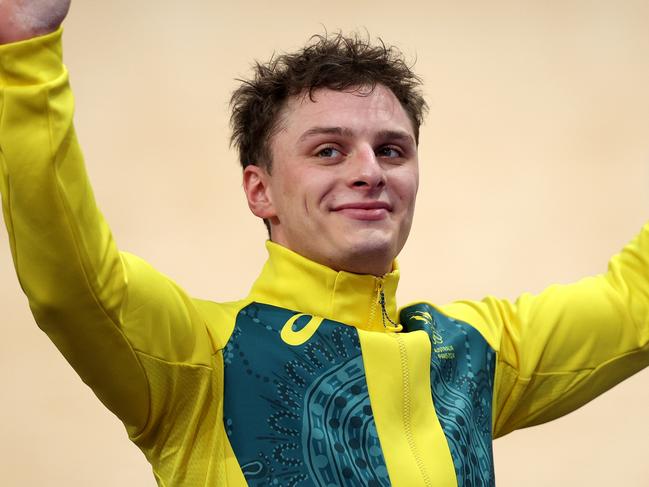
306	381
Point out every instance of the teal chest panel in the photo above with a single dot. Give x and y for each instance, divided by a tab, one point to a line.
462	378
299	416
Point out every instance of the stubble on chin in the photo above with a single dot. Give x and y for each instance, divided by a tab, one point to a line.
367	254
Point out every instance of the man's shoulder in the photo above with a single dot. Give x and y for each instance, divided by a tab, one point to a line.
219	318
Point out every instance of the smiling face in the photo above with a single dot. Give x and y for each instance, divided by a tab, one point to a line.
344	179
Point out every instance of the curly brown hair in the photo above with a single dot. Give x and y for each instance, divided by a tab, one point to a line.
336	62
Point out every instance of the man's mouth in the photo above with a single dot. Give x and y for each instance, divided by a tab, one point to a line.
364	210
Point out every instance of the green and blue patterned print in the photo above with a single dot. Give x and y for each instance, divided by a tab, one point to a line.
461	376
299	416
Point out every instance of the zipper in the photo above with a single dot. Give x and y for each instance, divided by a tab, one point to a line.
394	329
407	409
388	324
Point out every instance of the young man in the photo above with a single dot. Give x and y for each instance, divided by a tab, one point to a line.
315	378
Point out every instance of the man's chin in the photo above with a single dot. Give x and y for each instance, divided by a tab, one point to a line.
367	255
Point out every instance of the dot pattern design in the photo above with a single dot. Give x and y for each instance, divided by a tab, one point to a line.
462	389
299	416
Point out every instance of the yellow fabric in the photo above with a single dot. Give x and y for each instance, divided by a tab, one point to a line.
398	379
321	291
153	355
559	349
145	348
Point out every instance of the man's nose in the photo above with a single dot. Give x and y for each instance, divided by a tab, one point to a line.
365	169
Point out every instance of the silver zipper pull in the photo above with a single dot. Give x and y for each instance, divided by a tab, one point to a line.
388	324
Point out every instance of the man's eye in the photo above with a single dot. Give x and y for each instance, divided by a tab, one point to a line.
389	152
329	152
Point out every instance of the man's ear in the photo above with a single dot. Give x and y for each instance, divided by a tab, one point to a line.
257	188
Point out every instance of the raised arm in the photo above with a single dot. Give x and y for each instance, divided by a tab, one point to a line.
559	349
115	319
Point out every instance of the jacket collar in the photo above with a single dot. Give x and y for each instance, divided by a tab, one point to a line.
291	281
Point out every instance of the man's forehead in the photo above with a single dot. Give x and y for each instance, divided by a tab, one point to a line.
378	97
345	110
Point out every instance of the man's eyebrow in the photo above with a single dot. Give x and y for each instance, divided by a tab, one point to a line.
396	135
326	131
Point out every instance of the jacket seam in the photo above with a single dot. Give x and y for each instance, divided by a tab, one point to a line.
174	362
407	410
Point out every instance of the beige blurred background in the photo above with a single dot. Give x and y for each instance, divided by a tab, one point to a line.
535	170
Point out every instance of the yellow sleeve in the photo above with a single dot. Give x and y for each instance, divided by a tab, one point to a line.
104	310
561	348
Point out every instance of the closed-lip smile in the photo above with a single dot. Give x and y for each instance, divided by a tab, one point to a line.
364	210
